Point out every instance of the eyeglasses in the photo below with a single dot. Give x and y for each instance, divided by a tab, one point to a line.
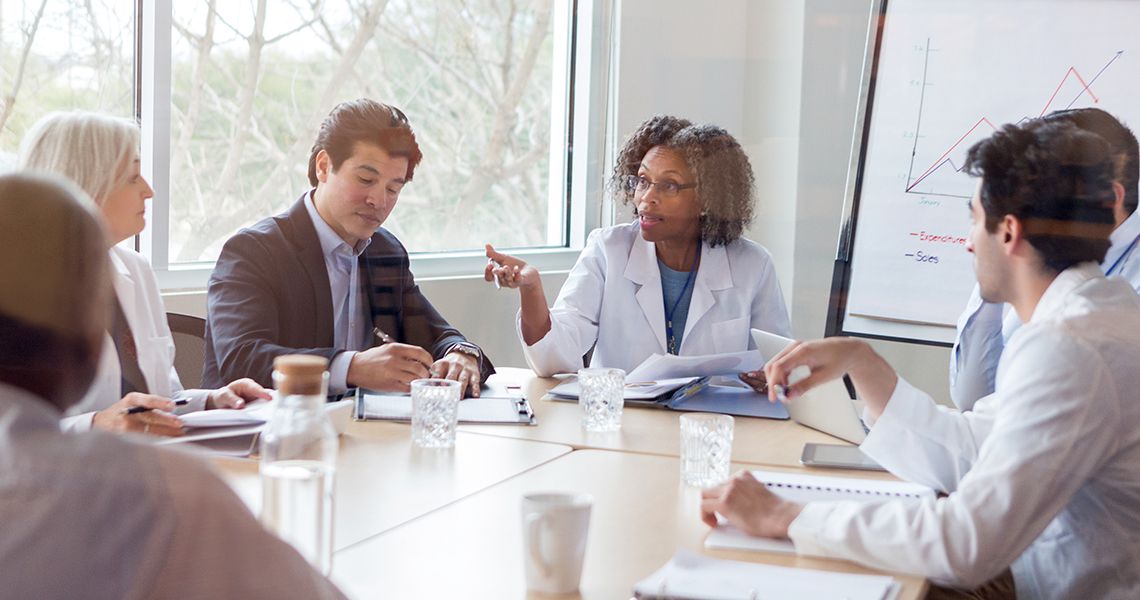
640	186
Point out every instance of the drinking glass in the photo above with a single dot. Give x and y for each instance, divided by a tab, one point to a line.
706	448
600	394
435	412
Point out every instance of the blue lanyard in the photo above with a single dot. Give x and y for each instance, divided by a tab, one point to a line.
672	341
1122	256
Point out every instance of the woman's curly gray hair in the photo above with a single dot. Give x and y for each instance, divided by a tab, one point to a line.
723	174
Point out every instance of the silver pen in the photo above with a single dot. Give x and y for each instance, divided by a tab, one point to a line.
494	277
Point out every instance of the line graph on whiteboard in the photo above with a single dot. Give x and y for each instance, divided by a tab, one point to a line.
943	177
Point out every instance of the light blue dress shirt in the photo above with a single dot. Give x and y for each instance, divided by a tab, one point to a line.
985	328
351	323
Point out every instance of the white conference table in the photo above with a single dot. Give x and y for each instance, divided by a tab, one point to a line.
383	480
646	430
472	548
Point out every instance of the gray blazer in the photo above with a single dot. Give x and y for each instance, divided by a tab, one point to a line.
270	295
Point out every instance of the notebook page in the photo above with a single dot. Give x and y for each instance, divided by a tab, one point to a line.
690	575
799	487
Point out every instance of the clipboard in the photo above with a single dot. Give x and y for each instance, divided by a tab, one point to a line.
485	410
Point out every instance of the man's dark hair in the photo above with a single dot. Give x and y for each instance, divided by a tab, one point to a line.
1126	151
365	121
1057	180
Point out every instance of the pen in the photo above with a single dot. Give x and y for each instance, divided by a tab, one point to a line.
382	337
134	410
494	277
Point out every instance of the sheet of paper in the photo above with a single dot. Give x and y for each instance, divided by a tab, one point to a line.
669	366
802	488
689	575
255	413
646	390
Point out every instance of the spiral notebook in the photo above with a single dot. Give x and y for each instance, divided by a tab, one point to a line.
802	488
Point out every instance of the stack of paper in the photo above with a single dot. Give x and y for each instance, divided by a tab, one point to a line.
646	390
691	576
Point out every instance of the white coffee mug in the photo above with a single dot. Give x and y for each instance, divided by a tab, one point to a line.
554	540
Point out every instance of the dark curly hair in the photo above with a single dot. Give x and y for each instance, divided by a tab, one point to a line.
723	174
1057	180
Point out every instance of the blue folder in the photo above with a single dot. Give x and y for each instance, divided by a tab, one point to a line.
726	400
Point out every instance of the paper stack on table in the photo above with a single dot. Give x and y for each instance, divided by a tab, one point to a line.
692	576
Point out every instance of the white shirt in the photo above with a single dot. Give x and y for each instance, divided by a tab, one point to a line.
984	327
1043	475
137	291
351	323
612	298
127	521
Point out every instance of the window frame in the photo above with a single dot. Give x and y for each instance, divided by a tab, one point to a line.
586	28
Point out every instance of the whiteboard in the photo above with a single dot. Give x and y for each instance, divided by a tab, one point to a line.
939	76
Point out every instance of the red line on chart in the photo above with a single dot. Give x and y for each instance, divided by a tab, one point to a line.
942	159
1086	88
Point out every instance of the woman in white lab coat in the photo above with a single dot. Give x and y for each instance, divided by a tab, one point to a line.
136	369
678	279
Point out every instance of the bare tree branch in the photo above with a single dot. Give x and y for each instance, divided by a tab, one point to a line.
18	80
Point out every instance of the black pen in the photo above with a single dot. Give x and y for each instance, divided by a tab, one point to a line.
134	410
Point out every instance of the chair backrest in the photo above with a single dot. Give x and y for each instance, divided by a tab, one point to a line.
190	347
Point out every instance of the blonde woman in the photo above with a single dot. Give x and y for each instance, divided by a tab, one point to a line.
101	154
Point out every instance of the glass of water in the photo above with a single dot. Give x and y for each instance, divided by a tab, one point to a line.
706	448
601	396
435	412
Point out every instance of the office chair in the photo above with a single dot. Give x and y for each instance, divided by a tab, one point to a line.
190	347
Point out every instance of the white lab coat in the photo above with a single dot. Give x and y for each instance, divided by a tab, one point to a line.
1043	475
137	291
984	328
613	298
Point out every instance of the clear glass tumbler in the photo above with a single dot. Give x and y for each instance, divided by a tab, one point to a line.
435	412
601	396
706	448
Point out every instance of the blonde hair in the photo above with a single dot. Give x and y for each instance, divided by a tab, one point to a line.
90	149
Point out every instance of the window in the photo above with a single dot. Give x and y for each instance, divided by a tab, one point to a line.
230	96
252	81
62	55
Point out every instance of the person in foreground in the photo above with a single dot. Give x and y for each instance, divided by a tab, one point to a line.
679	279
100	154
324	278
92	515
1043	475
986	327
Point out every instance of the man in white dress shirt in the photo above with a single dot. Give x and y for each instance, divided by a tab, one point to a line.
94	515
1043	476
986	327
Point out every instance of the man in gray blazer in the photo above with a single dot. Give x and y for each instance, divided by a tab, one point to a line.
323	278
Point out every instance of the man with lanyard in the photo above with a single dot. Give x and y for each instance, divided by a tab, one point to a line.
985	328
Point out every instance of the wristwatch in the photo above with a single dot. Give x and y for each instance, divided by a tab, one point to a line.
469	349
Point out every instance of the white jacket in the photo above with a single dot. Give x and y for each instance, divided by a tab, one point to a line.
137	291
1043	475
613	298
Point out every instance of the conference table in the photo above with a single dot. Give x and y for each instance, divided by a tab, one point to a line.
645	430
421	523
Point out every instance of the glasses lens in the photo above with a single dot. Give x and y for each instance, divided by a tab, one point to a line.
668	188
632	182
